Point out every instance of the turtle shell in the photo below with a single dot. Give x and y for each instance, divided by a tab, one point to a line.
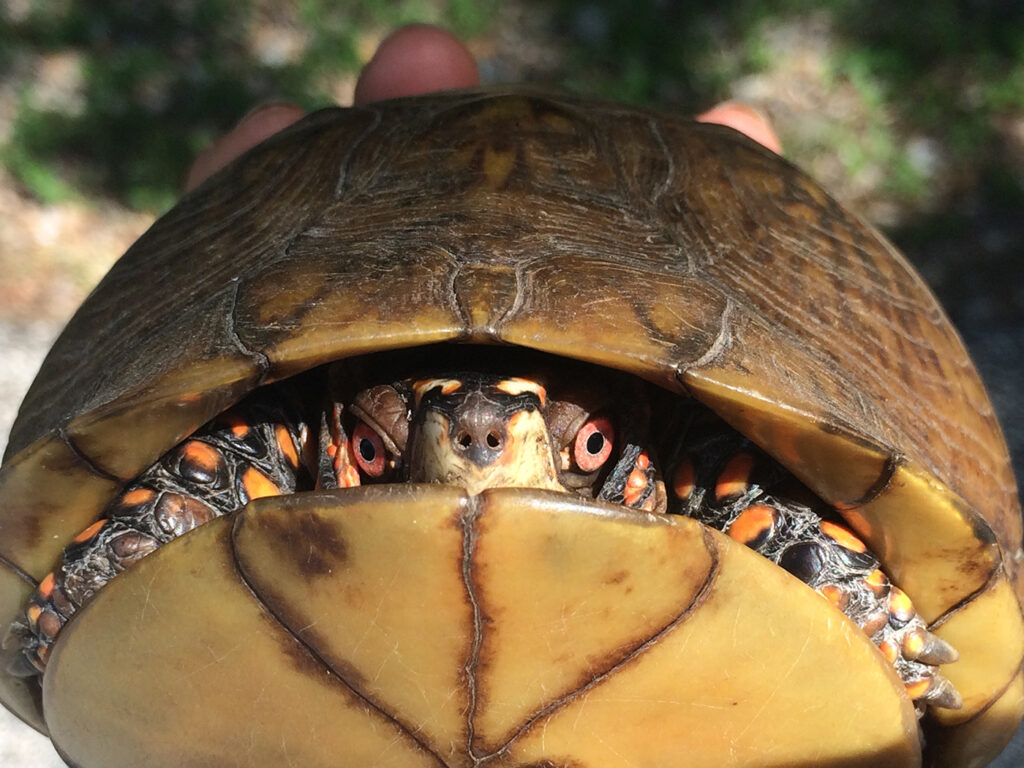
682	253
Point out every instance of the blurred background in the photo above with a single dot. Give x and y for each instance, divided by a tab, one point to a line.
913	115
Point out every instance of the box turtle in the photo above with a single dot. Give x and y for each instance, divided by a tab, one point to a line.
500	428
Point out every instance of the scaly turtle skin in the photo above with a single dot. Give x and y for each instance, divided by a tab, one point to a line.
561	630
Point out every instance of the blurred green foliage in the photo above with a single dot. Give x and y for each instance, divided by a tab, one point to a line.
162	78
681	52
945	68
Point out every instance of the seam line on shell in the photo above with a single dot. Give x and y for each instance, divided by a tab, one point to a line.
996	696
698	600
990	583
499	322
670	172
456	305
519	299
469	536
718	347
92	465
259	359
403	728
892	463
343	167
18	571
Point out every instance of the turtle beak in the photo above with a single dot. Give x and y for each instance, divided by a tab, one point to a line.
479	430
480	445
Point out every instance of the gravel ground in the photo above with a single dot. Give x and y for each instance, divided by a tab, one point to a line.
22	747
23	347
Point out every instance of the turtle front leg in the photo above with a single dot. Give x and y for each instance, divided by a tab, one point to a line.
725	482
258	448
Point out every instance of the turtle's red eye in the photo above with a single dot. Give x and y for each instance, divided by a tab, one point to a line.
369	450
593	444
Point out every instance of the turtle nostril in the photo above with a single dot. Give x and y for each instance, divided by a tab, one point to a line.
493	440
464	439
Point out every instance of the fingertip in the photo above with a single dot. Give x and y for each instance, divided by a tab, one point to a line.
261	123
419	58
746	119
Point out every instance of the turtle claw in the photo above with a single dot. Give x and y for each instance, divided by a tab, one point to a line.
928	648
941	693
917	655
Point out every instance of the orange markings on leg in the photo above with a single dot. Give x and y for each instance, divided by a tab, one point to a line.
45	588
138	496
636	483
202	456
753	525
257	485
287	445
89	532
834	595
239	426
900	607
876	581
844	537
734	479
918	688
683	480
889	650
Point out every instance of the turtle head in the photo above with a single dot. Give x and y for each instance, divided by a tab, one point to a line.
484	430
560	428
480	431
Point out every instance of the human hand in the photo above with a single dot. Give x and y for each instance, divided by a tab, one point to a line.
418	59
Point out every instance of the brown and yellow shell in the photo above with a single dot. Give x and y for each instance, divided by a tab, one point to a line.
397	626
